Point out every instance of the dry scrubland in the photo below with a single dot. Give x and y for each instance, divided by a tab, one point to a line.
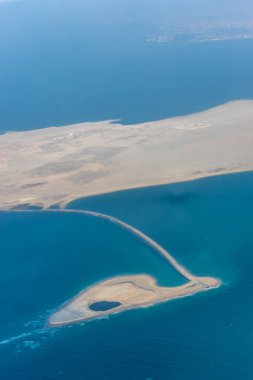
59	164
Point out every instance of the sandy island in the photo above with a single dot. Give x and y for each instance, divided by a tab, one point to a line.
129	292
59	164
126	292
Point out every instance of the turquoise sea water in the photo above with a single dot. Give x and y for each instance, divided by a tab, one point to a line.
47	258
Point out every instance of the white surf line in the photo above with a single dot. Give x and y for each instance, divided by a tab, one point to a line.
14	338
157	247
23	335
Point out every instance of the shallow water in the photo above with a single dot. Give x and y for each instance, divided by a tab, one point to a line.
48	258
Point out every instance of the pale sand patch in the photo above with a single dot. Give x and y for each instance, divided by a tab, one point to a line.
59	164
130	291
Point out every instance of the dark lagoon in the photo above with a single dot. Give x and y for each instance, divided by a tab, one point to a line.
47	258
104	305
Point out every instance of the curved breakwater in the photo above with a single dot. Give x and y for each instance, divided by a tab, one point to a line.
153	244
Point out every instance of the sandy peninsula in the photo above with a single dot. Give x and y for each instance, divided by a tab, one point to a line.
59	164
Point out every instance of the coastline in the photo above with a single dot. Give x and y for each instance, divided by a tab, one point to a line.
66	163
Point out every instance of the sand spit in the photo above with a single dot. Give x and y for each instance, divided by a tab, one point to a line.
59	164
129	291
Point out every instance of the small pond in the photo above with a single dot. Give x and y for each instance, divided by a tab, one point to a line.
104	305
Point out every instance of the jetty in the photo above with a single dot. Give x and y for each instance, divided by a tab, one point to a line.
123	292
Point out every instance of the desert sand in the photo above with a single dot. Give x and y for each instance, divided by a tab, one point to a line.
59	164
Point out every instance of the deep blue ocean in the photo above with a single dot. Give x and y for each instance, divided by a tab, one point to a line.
48	258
